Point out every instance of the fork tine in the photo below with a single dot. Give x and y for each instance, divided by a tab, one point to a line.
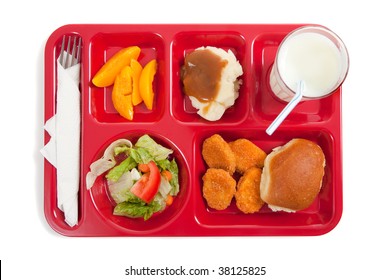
78	51
67	54
62	51
73	51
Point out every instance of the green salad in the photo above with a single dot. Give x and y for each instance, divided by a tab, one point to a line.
144	179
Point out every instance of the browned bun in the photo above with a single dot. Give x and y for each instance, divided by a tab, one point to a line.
292	175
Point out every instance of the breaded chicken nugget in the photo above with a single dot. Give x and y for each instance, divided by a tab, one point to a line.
217	154
248	198
247	155
219	188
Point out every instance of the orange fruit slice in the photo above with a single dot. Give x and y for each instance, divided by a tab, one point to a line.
136	73
121	94
146	83
108	72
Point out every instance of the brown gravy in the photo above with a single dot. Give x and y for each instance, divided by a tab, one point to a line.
201	74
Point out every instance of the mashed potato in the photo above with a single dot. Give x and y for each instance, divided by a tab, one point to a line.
210	79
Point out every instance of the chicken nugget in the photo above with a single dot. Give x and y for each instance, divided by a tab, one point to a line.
248	198
247	155
219	188
217	154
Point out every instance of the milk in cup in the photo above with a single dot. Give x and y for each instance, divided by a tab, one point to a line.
314	55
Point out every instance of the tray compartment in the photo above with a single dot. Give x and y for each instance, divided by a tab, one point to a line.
105	45
319	213
185	42
104	205
266	105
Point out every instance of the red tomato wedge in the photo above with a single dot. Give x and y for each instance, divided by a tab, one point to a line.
147	187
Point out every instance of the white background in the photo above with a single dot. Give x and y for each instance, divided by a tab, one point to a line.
357	248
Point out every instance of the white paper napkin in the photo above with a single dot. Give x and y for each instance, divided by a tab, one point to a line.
63	149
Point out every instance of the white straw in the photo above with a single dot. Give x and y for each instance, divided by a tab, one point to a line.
286	111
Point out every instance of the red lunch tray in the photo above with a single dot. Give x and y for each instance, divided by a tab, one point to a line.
174	123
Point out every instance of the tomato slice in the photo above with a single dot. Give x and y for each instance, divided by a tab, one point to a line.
147	187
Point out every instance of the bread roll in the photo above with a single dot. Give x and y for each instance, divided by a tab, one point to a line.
292	175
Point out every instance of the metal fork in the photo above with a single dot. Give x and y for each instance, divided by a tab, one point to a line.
72	55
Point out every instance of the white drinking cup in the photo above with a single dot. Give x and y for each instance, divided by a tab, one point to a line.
312	54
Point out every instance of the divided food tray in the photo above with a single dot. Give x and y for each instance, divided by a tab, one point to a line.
175	124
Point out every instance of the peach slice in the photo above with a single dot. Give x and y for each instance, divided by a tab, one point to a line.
121	94
136	73
146	83
107	73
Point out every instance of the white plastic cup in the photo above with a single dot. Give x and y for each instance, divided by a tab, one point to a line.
312	54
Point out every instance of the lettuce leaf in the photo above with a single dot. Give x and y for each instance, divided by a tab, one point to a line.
157	151
115	173
121	149
141	155
120	190
137	209
174	169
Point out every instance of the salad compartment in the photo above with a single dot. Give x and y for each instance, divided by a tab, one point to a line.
104	204
175	124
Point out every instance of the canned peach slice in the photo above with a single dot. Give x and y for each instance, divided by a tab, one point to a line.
121	94
107	73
